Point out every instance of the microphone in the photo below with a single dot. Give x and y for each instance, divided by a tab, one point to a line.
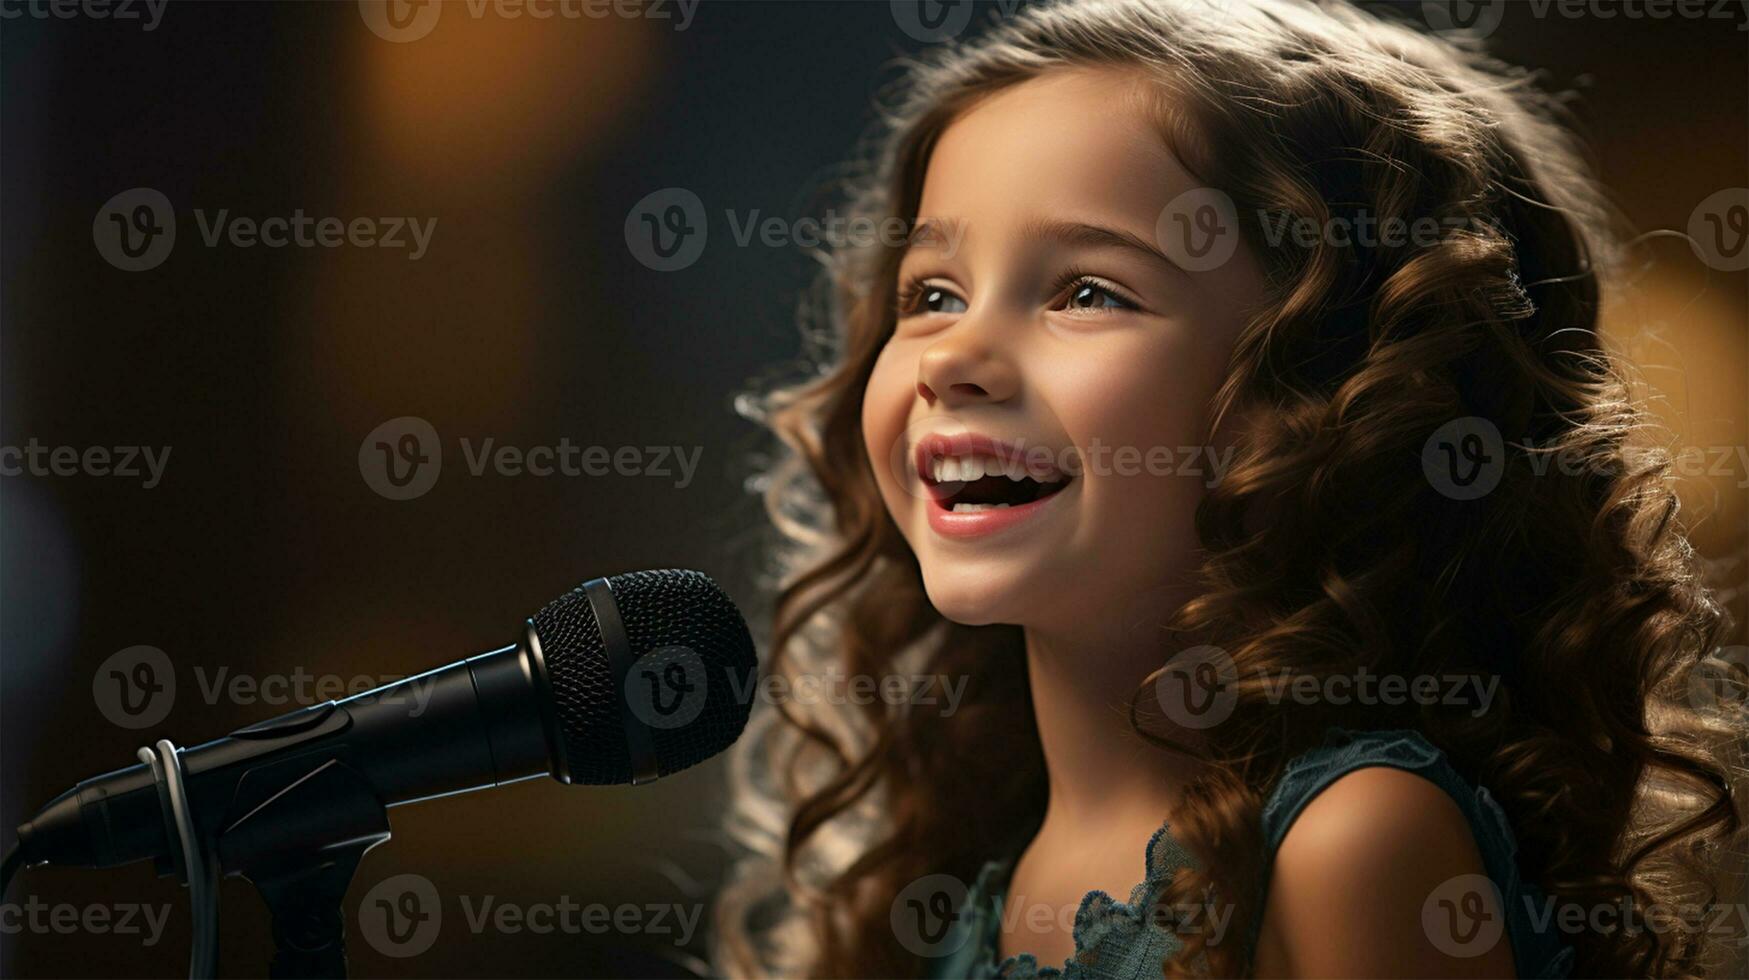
621	680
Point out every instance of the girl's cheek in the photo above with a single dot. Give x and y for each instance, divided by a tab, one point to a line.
1135	410
886	406
1129	393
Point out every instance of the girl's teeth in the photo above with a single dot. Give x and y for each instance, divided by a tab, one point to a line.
974	508
964	469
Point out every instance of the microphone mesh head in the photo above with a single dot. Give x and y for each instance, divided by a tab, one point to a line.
691	684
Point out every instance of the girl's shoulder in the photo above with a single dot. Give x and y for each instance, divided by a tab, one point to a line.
1380	825
1345	751
1399	803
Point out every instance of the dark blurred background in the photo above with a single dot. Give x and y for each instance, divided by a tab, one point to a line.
527	320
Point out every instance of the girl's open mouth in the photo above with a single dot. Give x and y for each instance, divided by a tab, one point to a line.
978	485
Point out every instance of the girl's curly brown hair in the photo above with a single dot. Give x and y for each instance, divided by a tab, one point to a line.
1328	548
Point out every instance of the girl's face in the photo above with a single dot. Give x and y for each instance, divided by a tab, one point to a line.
1036	420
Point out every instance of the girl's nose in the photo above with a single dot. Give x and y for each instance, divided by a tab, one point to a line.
962	371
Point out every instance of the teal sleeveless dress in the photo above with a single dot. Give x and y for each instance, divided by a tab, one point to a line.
1119	941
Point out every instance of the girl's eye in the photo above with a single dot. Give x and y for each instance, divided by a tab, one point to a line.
1076	292
1087	294
918	298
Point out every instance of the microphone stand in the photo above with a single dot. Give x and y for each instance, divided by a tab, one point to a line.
299	845
302	812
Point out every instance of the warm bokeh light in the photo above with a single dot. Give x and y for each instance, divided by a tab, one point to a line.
470	125
1682	327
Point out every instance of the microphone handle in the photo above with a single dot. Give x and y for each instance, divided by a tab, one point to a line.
483	721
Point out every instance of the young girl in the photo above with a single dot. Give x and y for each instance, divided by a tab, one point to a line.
1213	429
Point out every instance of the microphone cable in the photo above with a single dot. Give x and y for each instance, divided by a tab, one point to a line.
198	870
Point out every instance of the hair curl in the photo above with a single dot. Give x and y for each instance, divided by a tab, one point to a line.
1327	548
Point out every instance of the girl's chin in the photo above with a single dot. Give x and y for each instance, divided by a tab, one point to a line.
971	598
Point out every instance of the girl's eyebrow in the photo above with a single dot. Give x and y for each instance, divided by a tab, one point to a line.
1092	236
934	232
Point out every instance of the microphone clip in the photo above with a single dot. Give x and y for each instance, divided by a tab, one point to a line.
300	849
